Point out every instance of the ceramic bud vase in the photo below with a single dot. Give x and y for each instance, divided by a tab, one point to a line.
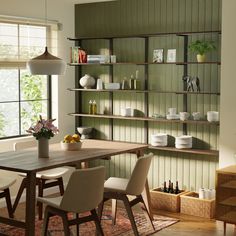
43	147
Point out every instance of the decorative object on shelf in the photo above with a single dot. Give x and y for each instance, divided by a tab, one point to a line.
158	116
196	115
87	81
192	82
184	141
125	84
131	82
71	143
46	63
127	111
94	108
43	131
112	86
113	58
158	55
86	132
171	55
98	59
159	140
137	82
213	116
184	115
77	55
99	84
90	107
201	48
172	114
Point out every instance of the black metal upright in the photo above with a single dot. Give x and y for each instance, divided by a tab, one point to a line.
111	76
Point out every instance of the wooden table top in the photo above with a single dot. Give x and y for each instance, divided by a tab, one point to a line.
27	160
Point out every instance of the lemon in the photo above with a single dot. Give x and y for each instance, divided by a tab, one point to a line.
68	138
76	137
73	141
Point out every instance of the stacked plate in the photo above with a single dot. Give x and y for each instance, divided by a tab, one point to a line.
184	141
159	140
172	117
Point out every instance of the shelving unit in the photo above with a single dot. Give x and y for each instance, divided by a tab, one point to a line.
146	91
226	195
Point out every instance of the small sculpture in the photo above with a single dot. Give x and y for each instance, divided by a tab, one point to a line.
193	83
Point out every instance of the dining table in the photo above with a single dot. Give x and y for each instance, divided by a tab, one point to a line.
27	161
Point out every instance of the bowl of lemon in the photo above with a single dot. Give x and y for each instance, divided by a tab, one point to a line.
71	143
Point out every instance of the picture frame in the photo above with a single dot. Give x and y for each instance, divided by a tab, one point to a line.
158	55
171	55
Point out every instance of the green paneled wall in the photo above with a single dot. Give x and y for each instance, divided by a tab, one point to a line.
151	16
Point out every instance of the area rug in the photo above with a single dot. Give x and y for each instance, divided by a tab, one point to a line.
122	227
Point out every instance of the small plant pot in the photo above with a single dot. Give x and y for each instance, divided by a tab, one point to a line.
201	58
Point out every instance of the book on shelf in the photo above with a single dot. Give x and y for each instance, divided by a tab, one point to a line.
77	55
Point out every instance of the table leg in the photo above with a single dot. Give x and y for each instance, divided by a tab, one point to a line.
146	191
30	204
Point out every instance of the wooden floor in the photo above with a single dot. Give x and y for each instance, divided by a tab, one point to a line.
187	226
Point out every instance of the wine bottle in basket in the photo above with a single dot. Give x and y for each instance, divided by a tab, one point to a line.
165	188
177	191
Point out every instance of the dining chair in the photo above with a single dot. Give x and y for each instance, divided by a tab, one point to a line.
44	179
118	189
5	183
83	193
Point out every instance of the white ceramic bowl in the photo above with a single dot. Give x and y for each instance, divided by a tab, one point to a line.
71	146
183	146
184	139
159	137
84	130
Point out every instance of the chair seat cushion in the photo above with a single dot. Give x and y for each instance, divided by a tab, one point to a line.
6	182
49	174
114	184
53	201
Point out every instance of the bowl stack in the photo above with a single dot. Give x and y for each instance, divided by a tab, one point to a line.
159	140
184	141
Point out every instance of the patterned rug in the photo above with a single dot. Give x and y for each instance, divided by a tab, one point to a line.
122	227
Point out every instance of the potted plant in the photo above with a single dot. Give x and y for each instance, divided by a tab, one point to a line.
201	48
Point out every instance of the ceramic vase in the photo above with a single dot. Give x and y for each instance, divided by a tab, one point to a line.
43	147
87	81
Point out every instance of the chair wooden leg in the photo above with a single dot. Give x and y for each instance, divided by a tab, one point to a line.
18	196
100	210
40	194
147	215
130	215
47	216
65	224
8	202
114	211
61	186
97	222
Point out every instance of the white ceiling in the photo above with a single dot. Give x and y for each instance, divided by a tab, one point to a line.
85	1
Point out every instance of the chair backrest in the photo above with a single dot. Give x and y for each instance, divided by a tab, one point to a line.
23	145
138	177
84	190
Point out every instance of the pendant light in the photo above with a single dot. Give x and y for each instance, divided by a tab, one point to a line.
46	64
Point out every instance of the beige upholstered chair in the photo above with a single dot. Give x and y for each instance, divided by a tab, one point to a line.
83	193
44	179
5	183
119	188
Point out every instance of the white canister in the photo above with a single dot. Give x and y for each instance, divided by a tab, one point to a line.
202	193
213	116
99	84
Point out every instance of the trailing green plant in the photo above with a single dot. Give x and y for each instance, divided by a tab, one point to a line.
202	47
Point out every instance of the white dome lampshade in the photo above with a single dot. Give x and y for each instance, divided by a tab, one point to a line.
47	64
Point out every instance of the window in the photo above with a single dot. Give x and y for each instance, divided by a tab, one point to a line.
22	96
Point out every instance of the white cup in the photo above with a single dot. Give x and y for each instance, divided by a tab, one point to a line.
172	111
184	115
113	58
99	84
196	115
213	116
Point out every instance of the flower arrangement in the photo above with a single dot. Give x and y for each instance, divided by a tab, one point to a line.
43	128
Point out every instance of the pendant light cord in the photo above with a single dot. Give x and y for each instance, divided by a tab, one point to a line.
46	20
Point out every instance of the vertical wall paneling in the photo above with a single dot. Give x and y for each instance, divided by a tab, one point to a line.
126	17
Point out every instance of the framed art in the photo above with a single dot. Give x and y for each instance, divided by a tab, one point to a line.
171	55
158	55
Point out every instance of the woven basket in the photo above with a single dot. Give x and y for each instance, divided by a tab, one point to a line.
165	201
192	205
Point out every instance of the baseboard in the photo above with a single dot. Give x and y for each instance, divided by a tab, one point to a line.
48	191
